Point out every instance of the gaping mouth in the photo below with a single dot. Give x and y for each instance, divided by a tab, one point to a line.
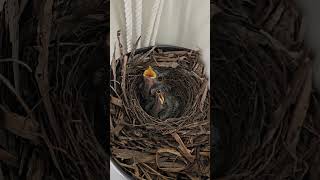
161	98
150	73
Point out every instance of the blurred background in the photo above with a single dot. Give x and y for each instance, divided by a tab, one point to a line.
310	10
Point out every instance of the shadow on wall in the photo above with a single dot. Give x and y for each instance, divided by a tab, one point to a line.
311	13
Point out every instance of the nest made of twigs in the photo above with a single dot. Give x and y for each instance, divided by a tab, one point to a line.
148	147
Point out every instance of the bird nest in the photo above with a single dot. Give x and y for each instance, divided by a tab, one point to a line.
147	147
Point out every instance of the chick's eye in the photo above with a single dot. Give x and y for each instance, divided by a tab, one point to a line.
158	91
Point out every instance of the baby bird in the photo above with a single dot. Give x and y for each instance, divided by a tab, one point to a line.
149	80
166	105
155	104
156	96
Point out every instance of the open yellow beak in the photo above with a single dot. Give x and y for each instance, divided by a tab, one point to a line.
150	73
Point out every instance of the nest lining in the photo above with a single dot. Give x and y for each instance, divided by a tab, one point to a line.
147	147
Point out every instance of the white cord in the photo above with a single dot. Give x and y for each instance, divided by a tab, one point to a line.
138	15
128	19
157	23
154	11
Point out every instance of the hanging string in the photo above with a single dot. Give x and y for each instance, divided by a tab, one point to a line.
150	27
138	17
128	19
157	23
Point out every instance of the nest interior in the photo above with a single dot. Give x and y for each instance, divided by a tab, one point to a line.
177	88
183	85
148	147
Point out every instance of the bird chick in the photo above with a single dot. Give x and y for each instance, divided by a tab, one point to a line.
166	105
171	107
156	96
149	80
156	105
